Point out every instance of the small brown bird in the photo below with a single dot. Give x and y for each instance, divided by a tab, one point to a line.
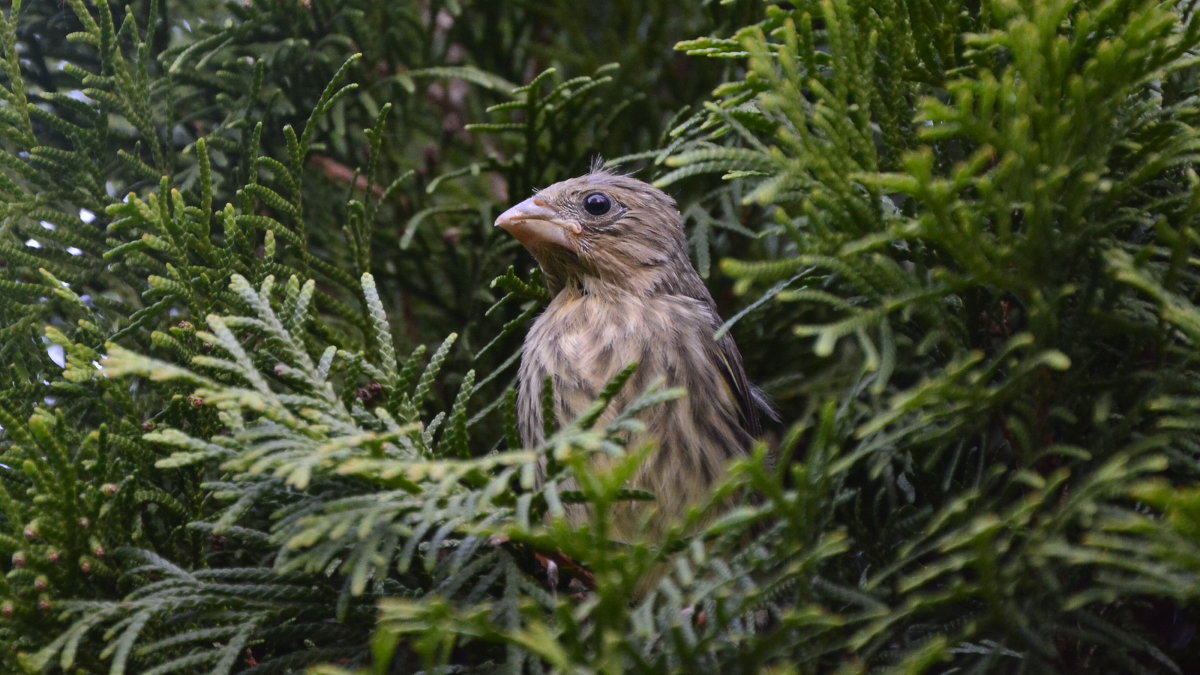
613	252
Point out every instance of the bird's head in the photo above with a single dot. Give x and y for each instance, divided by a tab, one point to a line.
603	232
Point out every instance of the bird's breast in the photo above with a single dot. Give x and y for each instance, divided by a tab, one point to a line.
582	342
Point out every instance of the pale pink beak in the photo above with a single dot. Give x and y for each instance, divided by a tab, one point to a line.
534	224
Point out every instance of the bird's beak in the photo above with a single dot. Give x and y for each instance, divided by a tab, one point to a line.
535	224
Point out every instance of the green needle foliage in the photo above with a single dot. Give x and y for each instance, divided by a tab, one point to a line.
257	413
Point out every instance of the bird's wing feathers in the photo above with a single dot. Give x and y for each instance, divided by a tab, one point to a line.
729	361
750	401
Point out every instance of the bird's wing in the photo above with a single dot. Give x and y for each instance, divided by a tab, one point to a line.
748	401
751	403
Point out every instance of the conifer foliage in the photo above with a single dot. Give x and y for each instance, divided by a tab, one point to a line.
260	338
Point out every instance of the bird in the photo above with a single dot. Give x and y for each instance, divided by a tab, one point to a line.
613	253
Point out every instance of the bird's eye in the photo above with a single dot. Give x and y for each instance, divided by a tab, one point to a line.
597	204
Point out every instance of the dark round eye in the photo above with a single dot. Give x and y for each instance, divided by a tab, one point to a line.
597	204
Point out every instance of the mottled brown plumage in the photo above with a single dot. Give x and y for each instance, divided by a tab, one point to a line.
613	252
